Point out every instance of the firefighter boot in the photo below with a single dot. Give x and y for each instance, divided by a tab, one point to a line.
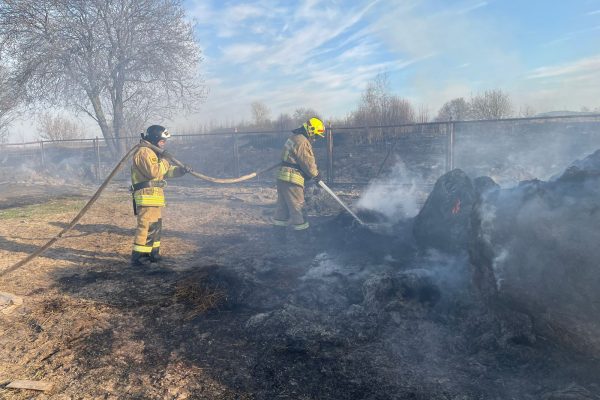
154	255
136	258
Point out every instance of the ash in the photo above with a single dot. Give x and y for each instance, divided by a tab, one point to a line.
411	311
361	315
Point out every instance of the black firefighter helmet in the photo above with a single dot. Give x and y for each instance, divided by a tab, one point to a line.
156	133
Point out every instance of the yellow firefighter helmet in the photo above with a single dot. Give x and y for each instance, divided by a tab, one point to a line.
314	126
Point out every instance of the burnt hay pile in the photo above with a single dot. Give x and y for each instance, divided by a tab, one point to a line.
396	315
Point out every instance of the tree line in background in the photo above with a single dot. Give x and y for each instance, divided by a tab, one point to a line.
378	106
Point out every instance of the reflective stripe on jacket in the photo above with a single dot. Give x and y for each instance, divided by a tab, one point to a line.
146	166
298	151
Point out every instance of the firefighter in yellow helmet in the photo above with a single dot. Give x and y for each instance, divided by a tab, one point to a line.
298	165
148	171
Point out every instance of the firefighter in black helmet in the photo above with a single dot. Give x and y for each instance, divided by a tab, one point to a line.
148	174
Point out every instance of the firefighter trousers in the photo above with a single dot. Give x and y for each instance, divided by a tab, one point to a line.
147	233
290	206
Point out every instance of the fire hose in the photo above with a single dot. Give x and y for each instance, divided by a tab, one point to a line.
340	202
243	178
115	170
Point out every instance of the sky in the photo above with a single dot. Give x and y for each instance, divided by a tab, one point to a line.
321	54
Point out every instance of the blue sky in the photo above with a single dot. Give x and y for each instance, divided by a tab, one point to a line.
321	54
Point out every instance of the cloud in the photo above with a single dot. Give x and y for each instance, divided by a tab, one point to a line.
315	32
360	51
587	64
472	7
564	86
595	12
243	52
345	48
414	31
243	12
571	35
355	76
278	51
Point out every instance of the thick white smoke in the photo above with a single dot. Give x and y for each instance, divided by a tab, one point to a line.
398	195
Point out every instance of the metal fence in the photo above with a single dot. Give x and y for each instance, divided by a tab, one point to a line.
508	149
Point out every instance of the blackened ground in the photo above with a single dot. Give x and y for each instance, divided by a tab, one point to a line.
373	242
333	323
399	334
235	313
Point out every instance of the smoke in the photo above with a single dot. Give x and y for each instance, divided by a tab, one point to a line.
26	171
510	152
76	170
448	272
58	170
397	196
487	218
324	266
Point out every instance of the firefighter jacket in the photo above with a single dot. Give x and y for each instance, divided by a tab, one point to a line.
149	171
298	161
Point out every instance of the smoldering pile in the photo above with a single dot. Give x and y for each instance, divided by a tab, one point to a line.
396	315
535	250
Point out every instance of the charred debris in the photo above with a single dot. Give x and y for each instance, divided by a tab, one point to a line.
488	293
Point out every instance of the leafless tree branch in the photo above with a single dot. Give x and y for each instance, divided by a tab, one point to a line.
114	60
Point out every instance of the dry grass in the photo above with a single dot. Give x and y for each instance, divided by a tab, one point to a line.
37	210
199	297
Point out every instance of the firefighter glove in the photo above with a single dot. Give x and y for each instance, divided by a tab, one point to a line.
317	179
187	169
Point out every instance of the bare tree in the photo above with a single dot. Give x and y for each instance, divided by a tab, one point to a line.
58	127
9	101
284	123
303	114
379	107
260	113
423	115
454	110
398	111
491	104
526	111
109	59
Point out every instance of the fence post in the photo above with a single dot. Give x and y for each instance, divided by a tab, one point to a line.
97	154
330	178
43	153
236	154
450	147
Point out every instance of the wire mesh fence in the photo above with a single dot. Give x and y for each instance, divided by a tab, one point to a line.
365	153
506	150
524	148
